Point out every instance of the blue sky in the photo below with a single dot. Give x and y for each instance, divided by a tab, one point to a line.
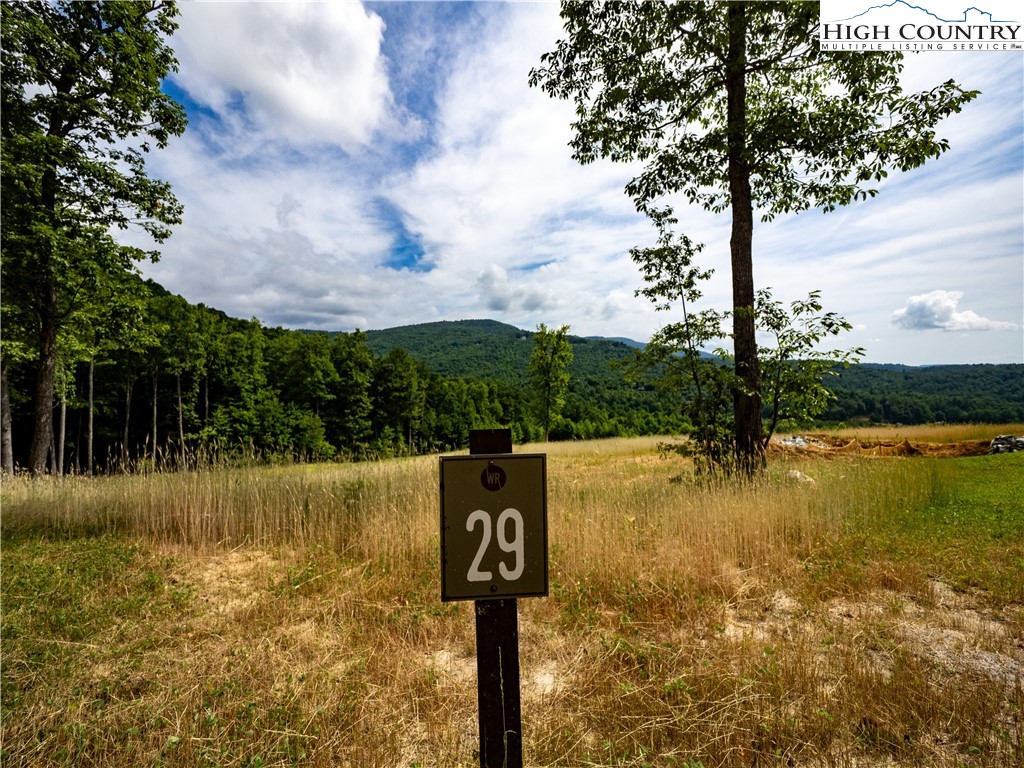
378	164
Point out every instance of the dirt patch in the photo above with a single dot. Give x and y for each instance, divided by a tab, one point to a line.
958	642
233	581
458	668
953	630
831	446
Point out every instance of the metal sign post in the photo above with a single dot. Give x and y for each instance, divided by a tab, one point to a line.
493	550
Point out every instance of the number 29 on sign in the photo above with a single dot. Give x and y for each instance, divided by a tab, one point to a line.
512	547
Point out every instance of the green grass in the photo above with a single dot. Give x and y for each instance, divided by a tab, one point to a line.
972	533
968	533
290	617
72	605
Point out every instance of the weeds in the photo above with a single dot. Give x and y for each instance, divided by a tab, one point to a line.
290	616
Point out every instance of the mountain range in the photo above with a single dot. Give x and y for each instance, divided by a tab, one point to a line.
487	349
490	350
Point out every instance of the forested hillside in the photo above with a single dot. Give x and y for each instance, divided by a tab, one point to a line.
172	383
909	395
869	392
461	348
496	350
164	382
601	402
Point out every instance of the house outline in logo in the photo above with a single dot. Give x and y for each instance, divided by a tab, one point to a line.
908	6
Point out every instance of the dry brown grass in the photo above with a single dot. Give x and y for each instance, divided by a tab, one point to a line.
929	433
290	616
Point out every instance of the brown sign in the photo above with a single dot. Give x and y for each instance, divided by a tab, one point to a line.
494	527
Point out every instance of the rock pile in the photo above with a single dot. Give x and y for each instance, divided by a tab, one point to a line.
1006	444
799	441
799	477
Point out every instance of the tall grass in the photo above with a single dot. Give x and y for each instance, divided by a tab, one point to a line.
617	511
290	616
630	531
368	508
938	433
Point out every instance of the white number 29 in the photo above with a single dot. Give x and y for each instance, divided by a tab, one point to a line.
513	546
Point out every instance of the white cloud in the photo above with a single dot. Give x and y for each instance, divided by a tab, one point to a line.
501	193
299	182
307	72
956	221
938	310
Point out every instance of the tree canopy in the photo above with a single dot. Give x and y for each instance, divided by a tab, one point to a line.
82	105
549	373
731	106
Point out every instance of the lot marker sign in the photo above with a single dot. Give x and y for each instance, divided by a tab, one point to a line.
494	548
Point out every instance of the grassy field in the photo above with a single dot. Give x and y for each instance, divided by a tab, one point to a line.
290	616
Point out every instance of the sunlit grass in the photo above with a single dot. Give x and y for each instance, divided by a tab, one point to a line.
936	433
291	616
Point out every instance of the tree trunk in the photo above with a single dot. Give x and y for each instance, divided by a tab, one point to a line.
49	314
42	432
58	448
127	421
747	396
547	408
154	417
76	456
181	424
89	430
6	425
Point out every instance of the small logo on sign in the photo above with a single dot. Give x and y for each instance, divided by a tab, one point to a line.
493	477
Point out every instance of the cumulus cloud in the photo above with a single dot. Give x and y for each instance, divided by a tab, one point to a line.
330	140
498	293
938	310
501	183
311	72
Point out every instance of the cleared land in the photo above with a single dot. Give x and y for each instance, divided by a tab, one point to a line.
290	616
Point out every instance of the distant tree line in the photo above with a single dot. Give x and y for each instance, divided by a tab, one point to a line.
895	394
150	380
161	382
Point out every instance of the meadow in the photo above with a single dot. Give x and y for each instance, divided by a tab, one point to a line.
869	613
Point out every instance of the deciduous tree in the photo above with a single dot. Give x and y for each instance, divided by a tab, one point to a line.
399	396
732	106
549	373
81	105
795	369
349	417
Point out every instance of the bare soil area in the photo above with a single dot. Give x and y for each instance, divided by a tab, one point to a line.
832	446
952	636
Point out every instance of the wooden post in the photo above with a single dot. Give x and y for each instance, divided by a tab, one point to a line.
497	653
